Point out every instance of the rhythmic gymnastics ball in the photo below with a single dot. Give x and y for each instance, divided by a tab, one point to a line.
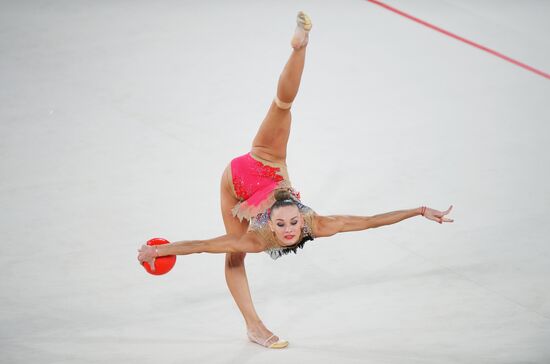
163	264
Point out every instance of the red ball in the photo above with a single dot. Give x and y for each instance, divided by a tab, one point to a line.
163	264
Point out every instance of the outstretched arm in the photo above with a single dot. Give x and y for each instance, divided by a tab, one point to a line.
248	243
330	225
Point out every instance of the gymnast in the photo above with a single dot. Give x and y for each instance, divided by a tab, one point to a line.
260	209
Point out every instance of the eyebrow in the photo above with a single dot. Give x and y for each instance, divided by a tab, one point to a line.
295	217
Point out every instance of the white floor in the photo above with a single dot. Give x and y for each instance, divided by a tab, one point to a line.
117	119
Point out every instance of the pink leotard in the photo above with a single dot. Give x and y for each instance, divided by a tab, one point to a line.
254	182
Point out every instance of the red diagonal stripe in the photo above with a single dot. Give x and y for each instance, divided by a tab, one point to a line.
495	53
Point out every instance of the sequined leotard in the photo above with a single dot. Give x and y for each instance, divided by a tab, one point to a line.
254	183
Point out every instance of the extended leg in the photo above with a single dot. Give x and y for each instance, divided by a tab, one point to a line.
271	140
235	273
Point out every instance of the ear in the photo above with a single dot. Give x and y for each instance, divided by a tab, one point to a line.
271	226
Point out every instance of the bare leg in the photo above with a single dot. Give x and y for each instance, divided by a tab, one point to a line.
271	140
269	143
235	273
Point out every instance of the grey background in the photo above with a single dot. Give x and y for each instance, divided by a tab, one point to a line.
118	117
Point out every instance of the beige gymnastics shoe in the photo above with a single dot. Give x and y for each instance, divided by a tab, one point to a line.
301	34
303	20
278	345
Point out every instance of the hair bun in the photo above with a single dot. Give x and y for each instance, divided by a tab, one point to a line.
282	194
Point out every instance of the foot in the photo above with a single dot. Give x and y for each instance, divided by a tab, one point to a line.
259	334
301	34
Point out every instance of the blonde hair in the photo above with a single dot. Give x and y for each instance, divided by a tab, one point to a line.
282	198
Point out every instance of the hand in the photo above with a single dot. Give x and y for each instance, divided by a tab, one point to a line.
437	216
147	254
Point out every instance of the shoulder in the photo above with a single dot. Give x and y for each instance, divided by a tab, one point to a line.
262	234
253	242
324	226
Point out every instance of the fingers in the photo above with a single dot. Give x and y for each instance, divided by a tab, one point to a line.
438	216
150	262
443	219
143	256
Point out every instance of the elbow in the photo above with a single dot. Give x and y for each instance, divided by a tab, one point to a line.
373	225
363	223
373	222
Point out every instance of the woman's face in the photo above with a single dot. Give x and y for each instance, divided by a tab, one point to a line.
287	222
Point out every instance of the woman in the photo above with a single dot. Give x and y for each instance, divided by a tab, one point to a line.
261	212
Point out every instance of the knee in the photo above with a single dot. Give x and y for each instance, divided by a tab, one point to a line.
281	104
234	259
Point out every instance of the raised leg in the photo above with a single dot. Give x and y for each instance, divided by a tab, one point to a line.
235	273
271	140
